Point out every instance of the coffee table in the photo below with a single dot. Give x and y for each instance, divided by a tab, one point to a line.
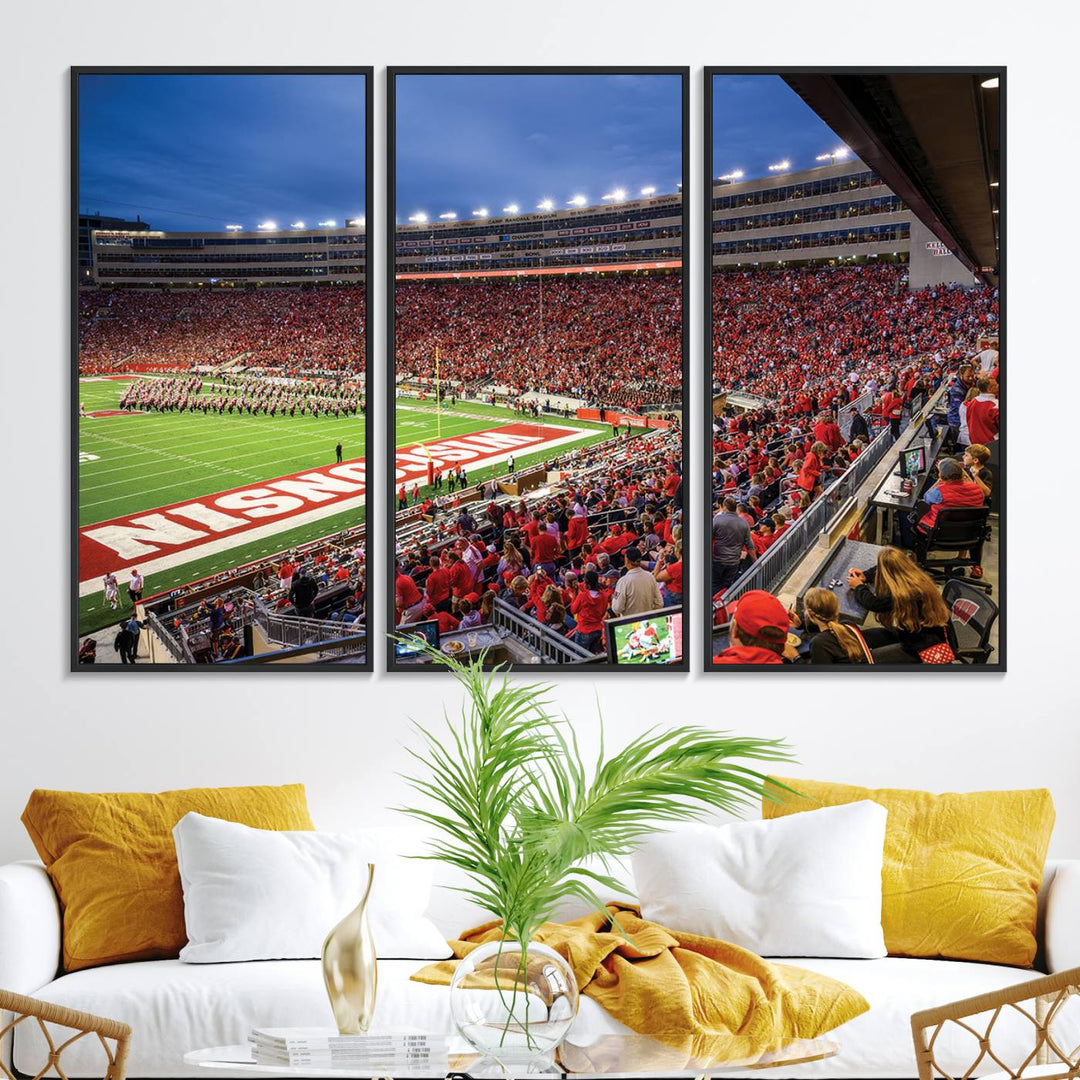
631	1057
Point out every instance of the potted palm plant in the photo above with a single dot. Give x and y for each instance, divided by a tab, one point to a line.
513	804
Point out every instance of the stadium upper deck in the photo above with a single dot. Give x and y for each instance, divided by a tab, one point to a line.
625	234
842	211
265	257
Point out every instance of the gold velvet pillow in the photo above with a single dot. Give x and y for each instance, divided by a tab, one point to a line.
113	864
961	872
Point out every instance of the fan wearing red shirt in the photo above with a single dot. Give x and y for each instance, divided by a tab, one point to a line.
577	532
953	491
671	483
826	431
810	471
982	416
438	586
545	549
461	578
407	599
758	630
892	409
589	608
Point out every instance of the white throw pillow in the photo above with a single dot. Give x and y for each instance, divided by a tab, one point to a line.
804	885
258	894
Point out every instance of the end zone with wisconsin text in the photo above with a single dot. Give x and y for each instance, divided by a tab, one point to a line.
169	536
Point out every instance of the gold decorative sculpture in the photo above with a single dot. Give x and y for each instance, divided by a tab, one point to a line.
349	968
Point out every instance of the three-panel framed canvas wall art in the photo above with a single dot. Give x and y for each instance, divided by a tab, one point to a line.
548	473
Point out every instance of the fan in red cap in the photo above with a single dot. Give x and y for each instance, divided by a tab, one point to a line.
758	631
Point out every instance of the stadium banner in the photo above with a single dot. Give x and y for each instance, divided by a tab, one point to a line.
538	271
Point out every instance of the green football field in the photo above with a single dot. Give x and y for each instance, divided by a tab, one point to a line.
137	463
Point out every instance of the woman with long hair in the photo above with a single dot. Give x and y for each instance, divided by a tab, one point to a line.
834	642
511	563
915	619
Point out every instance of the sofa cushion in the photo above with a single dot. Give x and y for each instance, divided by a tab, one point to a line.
112	860
175	1007
272	894
804	885
961	872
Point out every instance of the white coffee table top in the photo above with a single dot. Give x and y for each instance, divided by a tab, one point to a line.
613	1056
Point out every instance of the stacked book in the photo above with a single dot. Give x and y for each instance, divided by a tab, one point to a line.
323	1048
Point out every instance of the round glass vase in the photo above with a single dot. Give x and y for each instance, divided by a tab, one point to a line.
514	1004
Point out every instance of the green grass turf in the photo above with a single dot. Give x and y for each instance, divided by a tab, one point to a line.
151	460
418	421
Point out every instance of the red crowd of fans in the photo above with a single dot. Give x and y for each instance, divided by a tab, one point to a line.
292	330
777	331
559	558
614	339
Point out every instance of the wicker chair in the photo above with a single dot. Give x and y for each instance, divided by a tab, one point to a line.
82	1024
1040	1002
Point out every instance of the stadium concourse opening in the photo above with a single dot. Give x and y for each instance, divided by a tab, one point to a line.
539	419
855	377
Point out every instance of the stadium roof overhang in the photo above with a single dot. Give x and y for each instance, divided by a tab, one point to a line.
935	139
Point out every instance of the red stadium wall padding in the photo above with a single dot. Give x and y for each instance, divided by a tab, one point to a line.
622	419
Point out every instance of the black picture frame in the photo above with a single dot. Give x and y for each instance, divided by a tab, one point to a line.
367	72
548	670
999	665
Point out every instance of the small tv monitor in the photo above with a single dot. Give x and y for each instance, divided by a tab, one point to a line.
416	636
654	638
913	461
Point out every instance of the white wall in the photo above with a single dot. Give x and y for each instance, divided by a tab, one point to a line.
341	734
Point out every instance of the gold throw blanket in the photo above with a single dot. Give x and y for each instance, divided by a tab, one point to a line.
705	999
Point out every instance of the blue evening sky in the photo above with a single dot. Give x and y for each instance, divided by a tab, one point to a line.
466	142
758	120
199	152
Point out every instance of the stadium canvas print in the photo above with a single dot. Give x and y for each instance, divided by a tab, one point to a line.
856	378
536	239
219	368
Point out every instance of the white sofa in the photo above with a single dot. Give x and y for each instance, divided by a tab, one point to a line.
175	1007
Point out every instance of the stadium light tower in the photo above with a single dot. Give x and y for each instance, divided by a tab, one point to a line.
618	195
780	166
834	156
482	212
576	200
297	225
735	174
545	204
328	224
234	228
448	216
513	208
650	190
269	226
420	217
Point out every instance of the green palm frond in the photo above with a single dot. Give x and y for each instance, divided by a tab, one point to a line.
516	808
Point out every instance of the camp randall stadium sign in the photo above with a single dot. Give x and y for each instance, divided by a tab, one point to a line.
170	536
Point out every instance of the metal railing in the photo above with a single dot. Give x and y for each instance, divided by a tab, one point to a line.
770	570
550	646
165	639
292	631
192	634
